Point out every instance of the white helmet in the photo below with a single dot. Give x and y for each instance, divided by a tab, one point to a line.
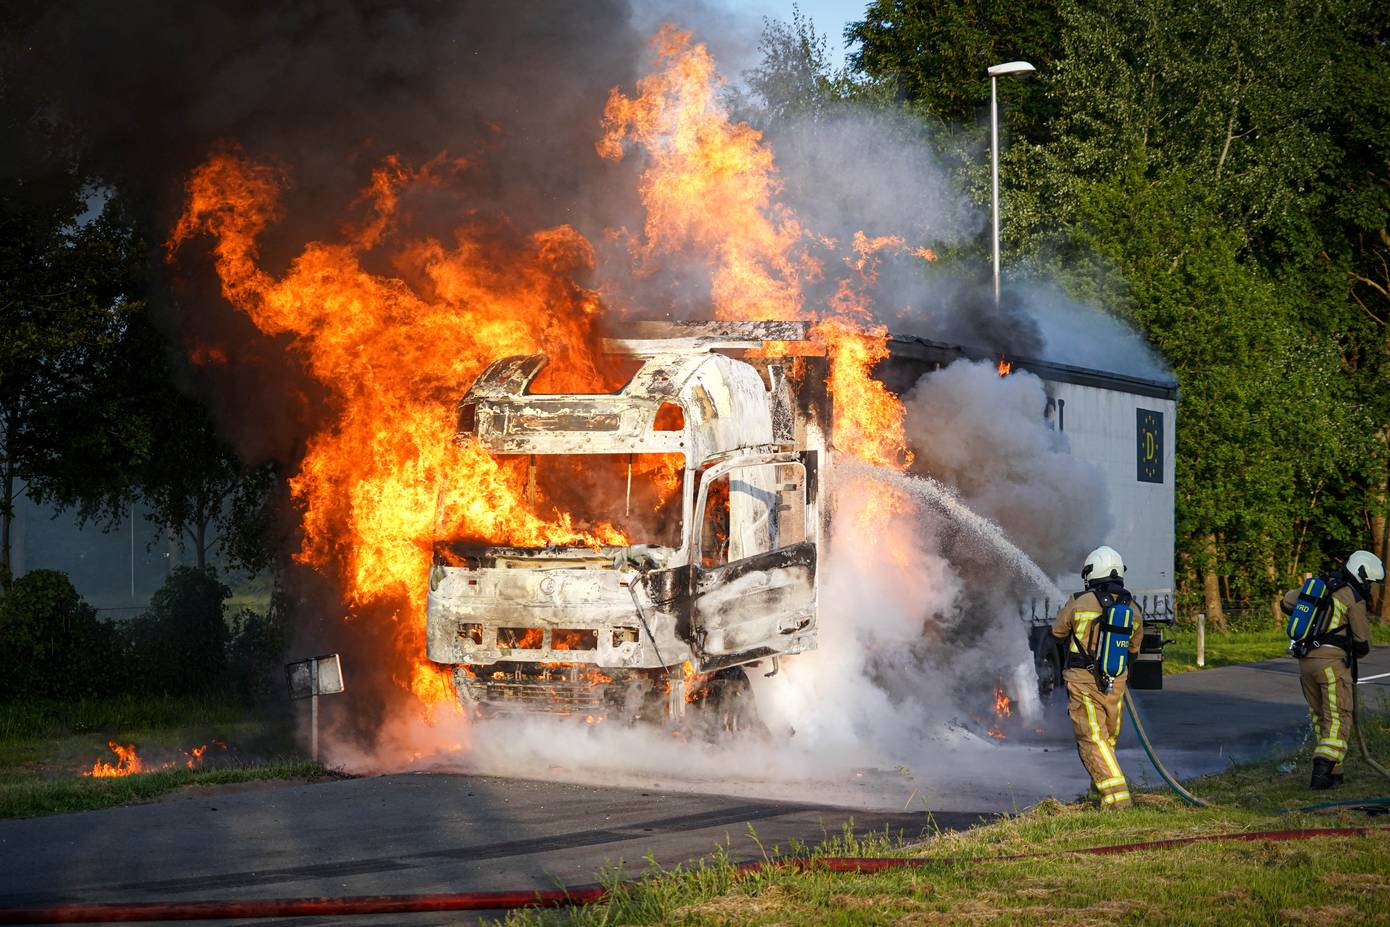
1366	567
1103	563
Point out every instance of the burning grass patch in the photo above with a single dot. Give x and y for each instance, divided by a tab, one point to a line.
36	796
49	751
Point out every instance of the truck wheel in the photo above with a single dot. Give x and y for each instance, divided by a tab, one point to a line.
726	707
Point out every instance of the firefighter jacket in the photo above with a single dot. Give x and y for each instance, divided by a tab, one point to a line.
1078	617
1349	627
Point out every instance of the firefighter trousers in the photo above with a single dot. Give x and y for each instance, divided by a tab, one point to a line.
1095	719
1326	683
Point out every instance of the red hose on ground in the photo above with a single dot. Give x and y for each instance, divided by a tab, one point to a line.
554	898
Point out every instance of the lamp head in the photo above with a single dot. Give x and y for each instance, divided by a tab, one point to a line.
1020	68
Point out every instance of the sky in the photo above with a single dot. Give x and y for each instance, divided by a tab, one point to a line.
829	16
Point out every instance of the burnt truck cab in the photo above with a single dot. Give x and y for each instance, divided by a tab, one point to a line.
723	575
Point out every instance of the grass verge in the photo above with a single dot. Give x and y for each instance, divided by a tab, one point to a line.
31	796
46	745
1318	881
34	719
1226	649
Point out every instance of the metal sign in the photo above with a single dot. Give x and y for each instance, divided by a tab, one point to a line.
1149	432
315	676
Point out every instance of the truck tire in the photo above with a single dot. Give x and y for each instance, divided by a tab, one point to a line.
726	707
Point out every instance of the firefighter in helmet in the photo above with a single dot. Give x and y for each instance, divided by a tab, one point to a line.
1099	630
1325	661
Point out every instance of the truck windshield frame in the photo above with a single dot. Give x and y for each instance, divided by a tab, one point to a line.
619	499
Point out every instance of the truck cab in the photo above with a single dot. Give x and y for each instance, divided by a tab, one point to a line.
707	465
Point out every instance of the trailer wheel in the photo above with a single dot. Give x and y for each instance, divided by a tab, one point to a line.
1047	661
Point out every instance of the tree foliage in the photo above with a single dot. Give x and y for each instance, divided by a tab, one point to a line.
51	643
179	645
92	412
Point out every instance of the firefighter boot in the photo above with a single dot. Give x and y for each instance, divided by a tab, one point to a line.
1322	774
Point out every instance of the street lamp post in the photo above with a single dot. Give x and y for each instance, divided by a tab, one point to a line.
999	70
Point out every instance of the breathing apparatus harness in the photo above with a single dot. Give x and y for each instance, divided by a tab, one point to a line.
1114	626
1307	627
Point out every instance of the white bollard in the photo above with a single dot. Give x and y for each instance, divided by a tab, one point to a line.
1201	638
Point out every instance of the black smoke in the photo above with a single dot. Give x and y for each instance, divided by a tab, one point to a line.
145	91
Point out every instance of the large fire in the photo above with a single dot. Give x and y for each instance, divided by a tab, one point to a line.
396	352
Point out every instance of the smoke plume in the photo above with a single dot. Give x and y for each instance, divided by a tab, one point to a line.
984	436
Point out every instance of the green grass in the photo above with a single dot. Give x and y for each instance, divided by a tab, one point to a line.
1320	881
46	745
33	795
47	718
1226	649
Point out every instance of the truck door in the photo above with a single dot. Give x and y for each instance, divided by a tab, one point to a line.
753	555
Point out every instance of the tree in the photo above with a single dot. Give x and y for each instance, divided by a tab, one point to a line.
70	267
1216	175
65	301
1198	153
794	76
936	53
199	489
90	414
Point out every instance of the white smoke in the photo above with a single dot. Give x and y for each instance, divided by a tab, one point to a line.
1080	335
985	436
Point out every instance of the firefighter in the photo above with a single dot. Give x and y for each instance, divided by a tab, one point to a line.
1325	663
1094	700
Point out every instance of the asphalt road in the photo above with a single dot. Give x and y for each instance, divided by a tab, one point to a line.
412	833
437	832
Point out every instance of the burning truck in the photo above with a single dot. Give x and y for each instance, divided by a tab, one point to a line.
715	462
717	452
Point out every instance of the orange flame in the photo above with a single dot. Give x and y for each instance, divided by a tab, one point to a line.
710	186
128	762
395	358
1003	705
1004	367
395	352
1003	709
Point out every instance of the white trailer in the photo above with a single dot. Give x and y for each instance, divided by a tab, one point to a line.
1125	426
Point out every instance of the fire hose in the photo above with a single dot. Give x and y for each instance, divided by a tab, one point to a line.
1191	799
1356	718
1163	772
571	897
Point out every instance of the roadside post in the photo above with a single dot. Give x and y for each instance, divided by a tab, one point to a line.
1201	639
309	679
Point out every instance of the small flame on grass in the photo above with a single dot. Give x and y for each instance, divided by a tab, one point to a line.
128	762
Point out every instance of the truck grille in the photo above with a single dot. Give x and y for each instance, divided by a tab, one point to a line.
530	687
